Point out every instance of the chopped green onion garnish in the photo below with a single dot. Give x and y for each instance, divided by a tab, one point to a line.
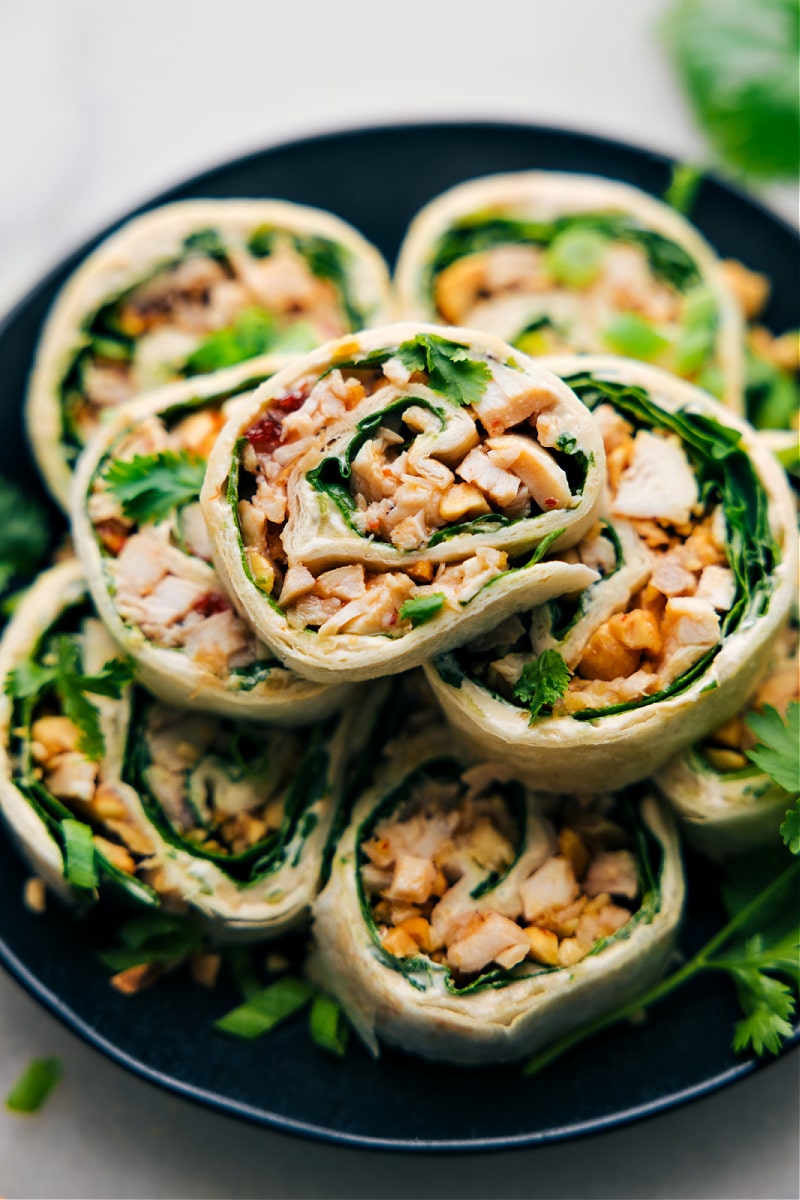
34	1085
421	608
575	258
81	864
631	335
266	1009
328	1026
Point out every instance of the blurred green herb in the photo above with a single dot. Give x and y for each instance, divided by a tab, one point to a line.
24	533
34	1085
738	63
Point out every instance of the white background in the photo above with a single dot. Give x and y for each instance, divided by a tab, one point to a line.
101	104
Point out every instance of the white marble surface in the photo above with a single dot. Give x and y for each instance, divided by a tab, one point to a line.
102	104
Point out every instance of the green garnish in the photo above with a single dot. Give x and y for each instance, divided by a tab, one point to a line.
773	395
24	534
328	1026
60	670
34	1085
80	864
738	63
684	186
575	257
631	335
255	331
266	1008
155	937
778	755
421	609
151	486
542	683
451	372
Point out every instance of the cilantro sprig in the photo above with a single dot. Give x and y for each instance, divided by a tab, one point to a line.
450	369
778	755
151	486
60	671
542	683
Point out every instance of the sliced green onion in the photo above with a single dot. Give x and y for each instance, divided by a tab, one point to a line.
684	185
575	258
81	864
266	1009
34	1085
240	961
328	1026
631	335
421	608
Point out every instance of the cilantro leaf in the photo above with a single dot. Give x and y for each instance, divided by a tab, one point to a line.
24	533
790	828
542	683
767	1004
255	331
451	372
778	750
60	669
421	609
150	486
738	63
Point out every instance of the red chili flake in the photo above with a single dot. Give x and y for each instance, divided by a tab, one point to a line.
211	603
291	401
550	502
393	619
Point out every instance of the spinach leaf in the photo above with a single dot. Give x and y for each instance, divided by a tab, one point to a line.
421	609
738	63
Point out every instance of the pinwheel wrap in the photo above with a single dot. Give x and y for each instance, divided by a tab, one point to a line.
141	537
185	290
556	262
391	495
498	888
725	802
697	552
105	788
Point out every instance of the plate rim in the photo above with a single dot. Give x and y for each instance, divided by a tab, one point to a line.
215	1101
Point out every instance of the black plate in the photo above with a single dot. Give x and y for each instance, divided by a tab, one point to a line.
377	179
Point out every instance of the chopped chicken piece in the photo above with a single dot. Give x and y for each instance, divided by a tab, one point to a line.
540	473
463	501
494	935
659	482
718	587
298	582
670	577
553	886
614	872
72	776
346	583
508	400
216	641
690	628
413	879
500	485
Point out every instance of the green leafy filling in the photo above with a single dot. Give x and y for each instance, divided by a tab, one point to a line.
151	486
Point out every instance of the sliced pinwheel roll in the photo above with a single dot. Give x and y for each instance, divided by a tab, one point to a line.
186	290
726	803
471	920
104	786
390	495
696	552
555	262
141	537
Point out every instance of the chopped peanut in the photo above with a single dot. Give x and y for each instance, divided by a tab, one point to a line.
54	735
637	629
572	847
136	979
204	969
749	288
570	951
725	760
34	894
117	855
400	943
419	929
544	945
463	500
107	804
605	657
